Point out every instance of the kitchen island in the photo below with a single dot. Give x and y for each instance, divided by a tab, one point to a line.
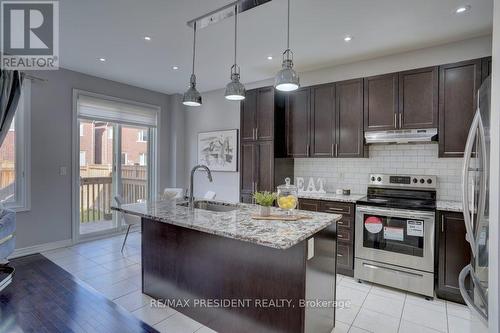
233	273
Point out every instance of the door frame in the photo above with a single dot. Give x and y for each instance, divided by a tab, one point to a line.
152	161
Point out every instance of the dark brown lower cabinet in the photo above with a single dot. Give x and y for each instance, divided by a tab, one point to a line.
453	254
345	230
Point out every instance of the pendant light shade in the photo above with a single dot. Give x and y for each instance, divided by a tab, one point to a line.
192	97
287	78
235	90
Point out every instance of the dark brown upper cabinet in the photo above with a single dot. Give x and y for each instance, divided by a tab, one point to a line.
257	115
418	98
248	116
349	138
265	114
298	108
458	85
323	121
381	102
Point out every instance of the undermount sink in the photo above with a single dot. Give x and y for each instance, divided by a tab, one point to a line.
213	206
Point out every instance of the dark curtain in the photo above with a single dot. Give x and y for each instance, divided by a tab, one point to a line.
10	92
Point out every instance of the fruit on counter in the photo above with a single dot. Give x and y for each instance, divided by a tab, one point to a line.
287	202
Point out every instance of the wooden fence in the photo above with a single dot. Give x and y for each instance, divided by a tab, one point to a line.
96	192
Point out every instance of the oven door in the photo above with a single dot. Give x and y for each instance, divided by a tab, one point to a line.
396	236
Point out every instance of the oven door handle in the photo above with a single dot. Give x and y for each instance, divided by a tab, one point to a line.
391	212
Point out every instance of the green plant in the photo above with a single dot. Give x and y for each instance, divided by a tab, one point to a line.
265	198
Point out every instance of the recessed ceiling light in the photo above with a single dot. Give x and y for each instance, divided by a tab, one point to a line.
175	68
347	38
462	9
269	57
102	59
147	38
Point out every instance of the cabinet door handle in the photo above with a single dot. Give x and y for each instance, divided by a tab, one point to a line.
340	236
335	209
340	222
307	150
336	150
442	223
333	153
395	120
339	255
400	120
256	133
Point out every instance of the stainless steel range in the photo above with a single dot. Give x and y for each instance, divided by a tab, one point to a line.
395	233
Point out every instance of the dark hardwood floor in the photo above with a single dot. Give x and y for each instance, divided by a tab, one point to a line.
45	298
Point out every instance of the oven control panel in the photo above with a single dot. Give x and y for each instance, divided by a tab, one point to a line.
407	181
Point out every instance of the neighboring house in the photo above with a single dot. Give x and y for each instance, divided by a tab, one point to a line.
96	144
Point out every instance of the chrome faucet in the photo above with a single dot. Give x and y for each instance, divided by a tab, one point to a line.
191	191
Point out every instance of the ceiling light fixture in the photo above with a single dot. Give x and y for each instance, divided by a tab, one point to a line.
347	38
147	38
175	68
270	58
192	97
235	90
287	79
102	59
462	9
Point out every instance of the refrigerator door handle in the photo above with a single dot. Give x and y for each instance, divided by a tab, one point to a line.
483	180
465	183
468	300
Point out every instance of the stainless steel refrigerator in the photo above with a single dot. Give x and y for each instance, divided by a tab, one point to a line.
473	278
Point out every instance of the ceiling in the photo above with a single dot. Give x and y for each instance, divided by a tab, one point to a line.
115	30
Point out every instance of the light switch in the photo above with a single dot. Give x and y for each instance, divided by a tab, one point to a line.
63	171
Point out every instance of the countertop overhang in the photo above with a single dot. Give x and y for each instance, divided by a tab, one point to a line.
237	224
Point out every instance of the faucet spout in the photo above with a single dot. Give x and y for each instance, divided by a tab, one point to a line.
191	182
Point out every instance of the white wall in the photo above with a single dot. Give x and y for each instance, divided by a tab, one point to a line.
494	240
352	173
49	219
217	113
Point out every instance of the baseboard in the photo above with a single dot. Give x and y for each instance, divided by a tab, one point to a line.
40	248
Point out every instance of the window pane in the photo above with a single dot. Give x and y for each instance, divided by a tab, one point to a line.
96	179
8	166
134	164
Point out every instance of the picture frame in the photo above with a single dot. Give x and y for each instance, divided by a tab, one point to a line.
218	150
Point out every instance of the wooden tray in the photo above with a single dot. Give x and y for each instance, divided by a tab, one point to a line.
281	217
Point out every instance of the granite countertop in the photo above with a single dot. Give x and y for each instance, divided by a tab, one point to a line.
236	224
449	206
332	197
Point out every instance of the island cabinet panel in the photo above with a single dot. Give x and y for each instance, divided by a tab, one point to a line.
323	120
298	108
180	263
458	85
345	230
381	102
265	114
453	254
249	116
349	138
418	98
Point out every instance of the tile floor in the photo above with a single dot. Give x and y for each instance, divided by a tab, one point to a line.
102	266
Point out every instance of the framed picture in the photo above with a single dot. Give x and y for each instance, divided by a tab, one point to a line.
218	150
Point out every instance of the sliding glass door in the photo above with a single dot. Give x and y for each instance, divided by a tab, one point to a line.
116	150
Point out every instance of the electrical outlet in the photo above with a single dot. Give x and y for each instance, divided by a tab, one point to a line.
63	171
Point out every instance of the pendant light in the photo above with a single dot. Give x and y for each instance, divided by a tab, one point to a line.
192	97
287	79
235	91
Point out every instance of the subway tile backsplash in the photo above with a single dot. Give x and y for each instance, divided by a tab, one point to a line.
418	159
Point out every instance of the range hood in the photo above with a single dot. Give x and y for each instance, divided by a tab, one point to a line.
402	136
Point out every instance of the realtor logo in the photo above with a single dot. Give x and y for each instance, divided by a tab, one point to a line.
30	35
